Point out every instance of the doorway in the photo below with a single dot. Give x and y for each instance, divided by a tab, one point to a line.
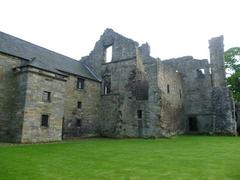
193	124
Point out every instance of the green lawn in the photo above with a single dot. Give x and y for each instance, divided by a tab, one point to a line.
183	157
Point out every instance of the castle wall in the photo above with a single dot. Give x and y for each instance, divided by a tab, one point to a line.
223	104
87	114
131	91
122	48
11	99
119	107
152	106
171	102
197	91
39	81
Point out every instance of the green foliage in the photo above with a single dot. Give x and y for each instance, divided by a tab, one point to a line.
184	157
234	85
232	59
232	64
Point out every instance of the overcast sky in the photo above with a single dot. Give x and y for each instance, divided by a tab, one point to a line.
173	28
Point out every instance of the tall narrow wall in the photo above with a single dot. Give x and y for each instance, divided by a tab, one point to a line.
11	99
171	103
221	98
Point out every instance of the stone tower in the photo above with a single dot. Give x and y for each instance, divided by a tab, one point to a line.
216	48
222	101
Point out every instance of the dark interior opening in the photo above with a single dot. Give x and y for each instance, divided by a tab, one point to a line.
193	125
78	122
44	121
139	114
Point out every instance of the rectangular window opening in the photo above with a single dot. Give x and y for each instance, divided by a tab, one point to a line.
168	89
139	114
78	122
107	85
44	120
46	96
79	104
107	90
80	83
108	54
200	73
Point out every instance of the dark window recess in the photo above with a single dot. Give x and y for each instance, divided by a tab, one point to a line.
107	89
200	73
44	120
46	96
180	93
139	114
107	85
168	88
79	105
142	90
78	122
193	124
80	83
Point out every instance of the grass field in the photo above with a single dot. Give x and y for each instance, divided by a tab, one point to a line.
183	157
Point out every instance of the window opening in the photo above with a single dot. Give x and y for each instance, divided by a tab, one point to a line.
200	73
78	122
80	83
193	124
46	96
139	114
109	54
168	88
44	120
107	85
79	105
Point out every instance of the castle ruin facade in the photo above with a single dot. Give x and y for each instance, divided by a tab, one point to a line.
118	90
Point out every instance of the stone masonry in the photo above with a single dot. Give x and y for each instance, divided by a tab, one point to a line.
46	96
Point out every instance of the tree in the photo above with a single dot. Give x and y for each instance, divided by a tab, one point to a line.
232	65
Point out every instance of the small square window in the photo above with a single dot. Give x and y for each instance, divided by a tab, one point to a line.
44	120
78	122
80	83
79	105
46	96
139	114
200	73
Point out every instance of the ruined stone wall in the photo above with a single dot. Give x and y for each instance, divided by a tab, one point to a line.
39	81
216	48
152	106
122	48
223	105
196	92
88	114
11	102
119	108
171	102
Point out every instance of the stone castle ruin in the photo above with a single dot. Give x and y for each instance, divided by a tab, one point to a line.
118	90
